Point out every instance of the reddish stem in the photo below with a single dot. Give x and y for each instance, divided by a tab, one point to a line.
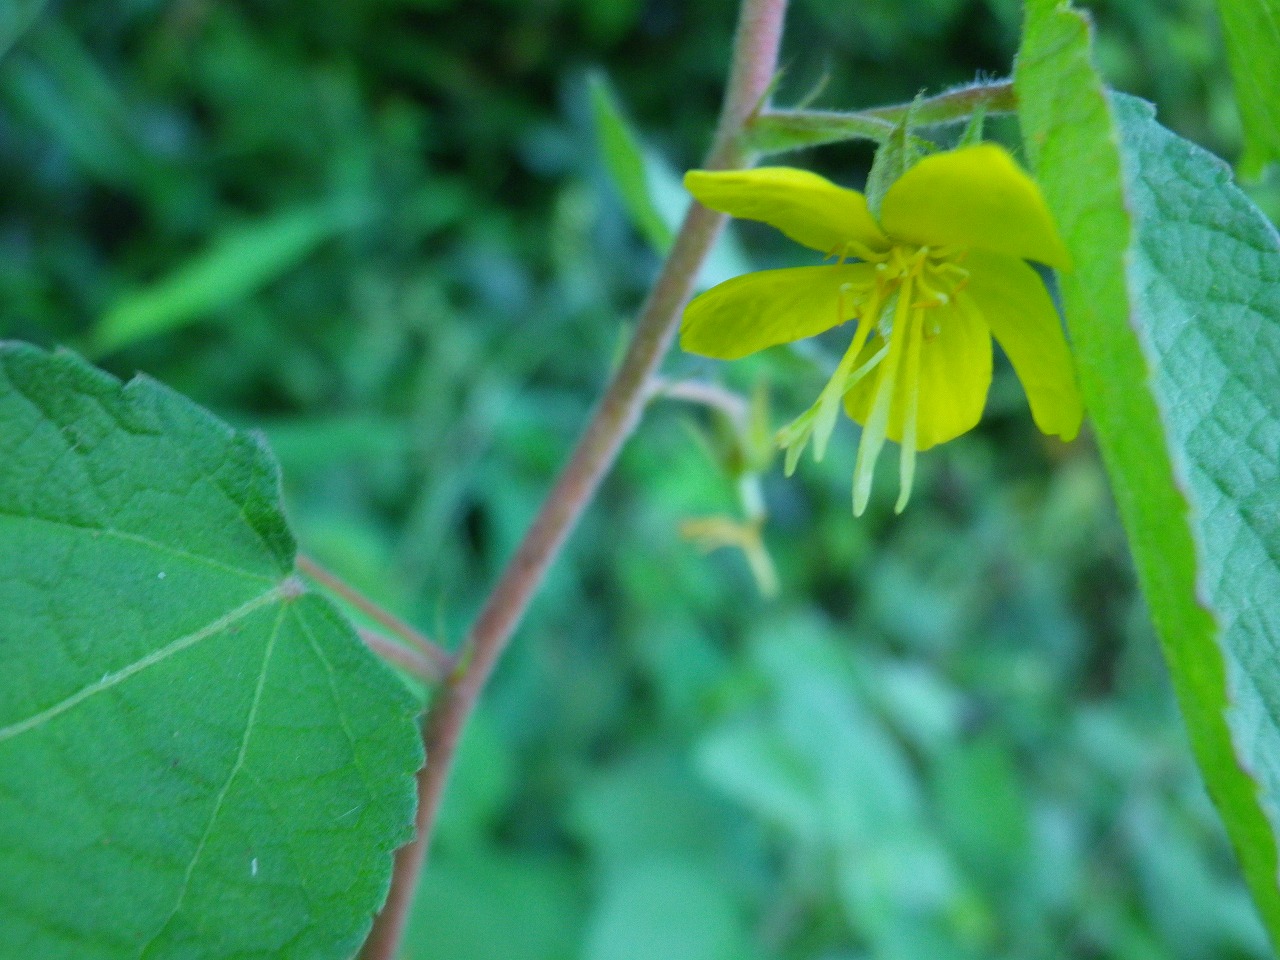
392	652
755	58
440	662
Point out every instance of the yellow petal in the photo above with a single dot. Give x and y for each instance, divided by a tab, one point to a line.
758	310
1015	305
954	375
806	207
973	197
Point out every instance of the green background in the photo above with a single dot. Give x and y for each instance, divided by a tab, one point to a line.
381	232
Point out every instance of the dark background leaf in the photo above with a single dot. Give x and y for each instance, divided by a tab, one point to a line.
1252	32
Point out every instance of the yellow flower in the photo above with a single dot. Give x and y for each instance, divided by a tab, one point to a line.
941	273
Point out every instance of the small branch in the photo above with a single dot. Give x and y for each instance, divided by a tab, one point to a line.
440	660
954	106
755	58
777	131
706	394
427	671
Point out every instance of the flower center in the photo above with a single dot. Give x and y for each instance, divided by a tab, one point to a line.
898	311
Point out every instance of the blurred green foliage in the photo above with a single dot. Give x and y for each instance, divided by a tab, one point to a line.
383	232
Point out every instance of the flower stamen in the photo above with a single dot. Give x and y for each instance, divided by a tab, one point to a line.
907	452
819	420
877	426
902	307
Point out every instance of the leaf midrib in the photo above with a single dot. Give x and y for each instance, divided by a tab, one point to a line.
278	592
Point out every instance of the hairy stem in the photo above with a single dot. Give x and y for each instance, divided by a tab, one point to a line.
954	106
754	63
777	131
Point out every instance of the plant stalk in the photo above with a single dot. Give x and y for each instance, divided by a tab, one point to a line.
777	131
755	57
439	662
413	663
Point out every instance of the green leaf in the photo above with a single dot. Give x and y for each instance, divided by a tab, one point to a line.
53	84
197	758
660	909
751	763
1175	318
236	265
1204	278
894	157
647	805
488	904
984	810
1252	32
972	135
624	160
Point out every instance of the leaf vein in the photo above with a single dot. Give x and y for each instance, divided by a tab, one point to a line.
156	656
226	787
142	541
